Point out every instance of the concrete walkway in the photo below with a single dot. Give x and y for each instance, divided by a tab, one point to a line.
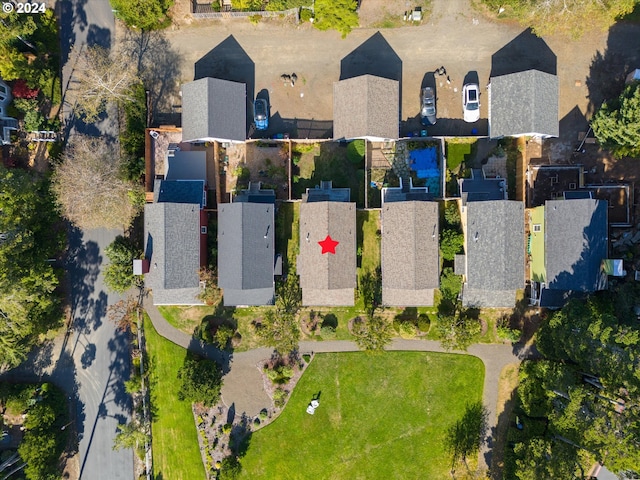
244	386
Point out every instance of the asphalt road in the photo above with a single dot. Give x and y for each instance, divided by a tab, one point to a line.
101	358
83	23
98	351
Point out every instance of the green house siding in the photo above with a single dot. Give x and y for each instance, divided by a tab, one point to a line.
535	244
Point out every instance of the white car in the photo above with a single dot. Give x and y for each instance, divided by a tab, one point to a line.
471	102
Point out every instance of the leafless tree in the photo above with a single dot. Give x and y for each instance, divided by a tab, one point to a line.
89	187
103	76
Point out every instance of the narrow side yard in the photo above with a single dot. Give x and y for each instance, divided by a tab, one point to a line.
175	440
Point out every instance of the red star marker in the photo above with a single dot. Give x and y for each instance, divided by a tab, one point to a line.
328	245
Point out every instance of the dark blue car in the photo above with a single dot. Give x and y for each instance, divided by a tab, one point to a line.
261	114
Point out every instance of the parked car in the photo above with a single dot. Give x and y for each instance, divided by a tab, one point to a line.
428	111
261	114
471	102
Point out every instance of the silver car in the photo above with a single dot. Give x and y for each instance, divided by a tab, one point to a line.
428	110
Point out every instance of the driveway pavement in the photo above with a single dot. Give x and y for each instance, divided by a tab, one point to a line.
454	36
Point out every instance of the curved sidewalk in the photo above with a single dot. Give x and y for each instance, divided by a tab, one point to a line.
244	386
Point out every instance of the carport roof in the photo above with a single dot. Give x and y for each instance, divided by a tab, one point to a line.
366	107
214	109
524	103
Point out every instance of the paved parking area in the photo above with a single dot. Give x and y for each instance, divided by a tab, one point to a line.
455	36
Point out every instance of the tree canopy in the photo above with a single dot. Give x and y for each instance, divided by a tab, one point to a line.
200	380
586	389
103	76
572	17
89	186
118	274
340	15
29	236
372	334
617	124
280	330
36	35
143	14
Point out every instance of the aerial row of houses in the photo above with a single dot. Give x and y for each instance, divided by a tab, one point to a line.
565	240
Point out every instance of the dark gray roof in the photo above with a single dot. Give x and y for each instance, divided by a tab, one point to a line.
410	253
325	192
523	103
179	191
576	234
494	240
246	253
187	166
479	189
404	193
214	109
327	279
366	106
172	246
256	194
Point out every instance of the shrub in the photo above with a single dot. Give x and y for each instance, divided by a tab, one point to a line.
226	428
355	151
243	173
223	336
280	397
407	329
200	380
305	14
230	468
424	323
306	357
20	89
280	374
451	243
505	332
264	414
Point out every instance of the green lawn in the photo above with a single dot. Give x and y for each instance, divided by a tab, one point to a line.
176	454
459	151
368	238
380	417
288	231
328	161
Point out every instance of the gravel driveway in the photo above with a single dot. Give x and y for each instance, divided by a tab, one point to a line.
454	36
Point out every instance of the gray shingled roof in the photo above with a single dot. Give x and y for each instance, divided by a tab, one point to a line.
410	254
327	279
179	191
214	109
184	165
523	103
366	106
172	245
246	253
494	239
576	234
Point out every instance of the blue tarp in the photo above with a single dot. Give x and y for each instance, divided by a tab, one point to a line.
425	163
